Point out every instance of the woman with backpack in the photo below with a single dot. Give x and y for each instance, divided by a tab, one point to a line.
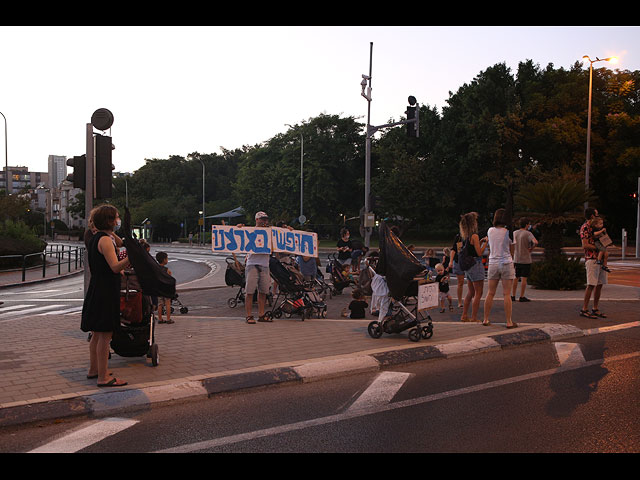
470	261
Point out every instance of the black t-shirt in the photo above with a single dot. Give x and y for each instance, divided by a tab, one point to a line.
357	308
344	255
443	286
456	241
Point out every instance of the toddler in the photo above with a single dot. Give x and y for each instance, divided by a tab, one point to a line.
165	303
598	232
357	305
442	278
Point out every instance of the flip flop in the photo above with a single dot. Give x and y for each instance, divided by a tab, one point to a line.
486	324
515	325
112	383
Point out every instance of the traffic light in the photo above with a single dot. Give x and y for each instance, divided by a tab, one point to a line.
413	118
104	167
634	196
79	175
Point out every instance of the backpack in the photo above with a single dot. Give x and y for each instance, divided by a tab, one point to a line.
465	259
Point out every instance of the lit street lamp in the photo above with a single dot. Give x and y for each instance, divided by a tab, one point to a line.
588	160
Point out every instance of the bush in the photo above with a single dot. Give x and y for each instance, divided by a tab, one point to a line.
558	273
17	238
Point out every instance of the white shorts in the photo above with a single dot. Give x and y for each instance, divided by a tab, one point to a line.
596	275
504	271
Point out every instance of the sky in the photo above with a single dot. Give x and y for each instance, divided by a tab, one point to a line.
174	90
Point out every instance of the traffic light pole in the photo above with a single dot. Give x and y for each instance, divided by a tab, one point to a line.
88	196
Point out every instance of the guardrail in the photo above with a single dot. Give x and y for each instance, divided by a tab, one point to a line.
73	255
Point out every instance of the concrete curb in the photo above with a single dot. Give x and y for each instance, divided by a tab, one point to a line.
127	400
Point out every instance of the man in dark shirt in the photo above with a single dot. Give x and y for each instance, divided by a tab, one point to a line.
596	276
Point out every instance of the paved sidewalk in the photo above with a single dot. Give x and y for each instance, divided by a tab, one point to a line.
44	359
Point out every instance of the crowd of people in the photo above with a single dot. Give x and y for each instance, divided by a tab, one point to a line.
509	262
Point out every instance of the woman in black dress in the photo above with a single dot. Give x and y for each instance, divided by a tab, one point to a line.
101	308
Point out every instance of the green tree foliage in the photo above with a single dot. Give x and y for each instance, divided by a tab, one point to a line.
499	133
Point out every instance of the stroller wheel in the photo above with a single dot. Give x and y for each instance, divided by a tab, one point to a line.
323	314
184	310
154	355
232	303
414	334
277	313
427	332
375	329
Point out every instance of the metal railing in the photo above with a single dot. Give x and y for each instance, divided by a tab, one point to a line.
73	255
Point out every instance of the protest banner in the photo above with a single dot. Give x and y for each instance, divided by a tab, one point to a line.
243	240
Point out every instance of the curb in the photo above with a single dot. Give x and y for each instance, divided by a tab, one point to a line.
127	400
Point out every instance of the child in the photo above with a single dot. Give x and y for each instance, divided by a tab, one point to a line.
163	259
443	287
357	305
598	232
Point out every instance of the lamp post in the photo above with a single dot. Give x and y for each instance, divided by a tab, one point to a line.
203	211
302	218
588	159
6	156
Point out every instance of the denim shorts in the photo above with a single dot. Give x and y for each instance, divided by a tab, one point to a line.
456	269
475	273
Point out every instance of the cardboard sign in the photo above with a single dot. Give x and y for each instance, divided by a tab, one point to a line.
427	296
243	240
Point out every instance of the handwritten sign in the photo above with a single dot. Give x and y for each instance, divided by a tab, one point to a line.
427	296
243	240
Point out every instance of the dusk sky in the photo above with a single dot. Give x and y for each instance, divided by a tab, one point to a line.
176	90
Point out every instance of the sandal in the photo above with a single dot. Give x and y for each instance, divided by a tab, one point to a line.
265	318
585	313
514	325
598	313
250	319
114	382
486	324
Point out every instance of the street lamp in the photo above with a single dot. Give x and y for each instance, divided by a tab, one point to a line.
302	218
588	160
203	173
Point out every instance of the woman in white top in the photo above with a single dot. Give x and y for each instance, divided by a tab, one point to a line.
500	266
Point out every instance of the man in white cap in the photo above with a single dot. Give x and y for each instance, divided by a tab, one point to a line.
257	277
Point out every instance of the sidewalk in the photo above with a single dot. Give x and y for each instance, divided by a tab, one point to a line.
44	359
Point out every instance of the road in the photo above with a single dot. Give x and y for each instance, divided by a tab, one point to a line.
562	397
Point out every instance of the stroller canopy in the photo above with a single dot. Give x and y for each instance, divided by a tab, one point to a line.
396	263
154	279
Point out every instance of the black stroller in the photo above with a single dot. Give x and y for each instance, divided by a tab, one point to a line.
339	280
175	302
400	266
298	298
135	335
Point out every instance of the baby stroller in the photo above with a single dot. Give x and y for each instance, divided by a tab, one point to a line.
297	297
175	303
135	335
338	279
399	266
399	318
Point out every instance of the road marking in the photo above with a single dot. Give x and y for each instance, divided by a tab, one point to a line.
17	315
569	354
86	436
381	391
62	312
611	328
350	414
14	307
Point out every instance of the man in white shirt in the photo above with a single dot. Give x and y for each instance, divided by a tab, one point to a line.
525	242
257	277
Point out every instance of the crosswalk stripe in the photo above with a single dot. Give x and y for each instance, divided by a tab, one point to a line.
16	315
86	436
13	307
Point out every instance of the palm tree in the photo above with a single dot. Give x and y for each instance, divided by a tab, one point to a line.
552	204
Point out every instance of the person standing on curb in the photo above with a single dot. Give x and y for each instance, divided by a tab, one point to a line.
500	266
596	276
257	277
475	275
525	242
